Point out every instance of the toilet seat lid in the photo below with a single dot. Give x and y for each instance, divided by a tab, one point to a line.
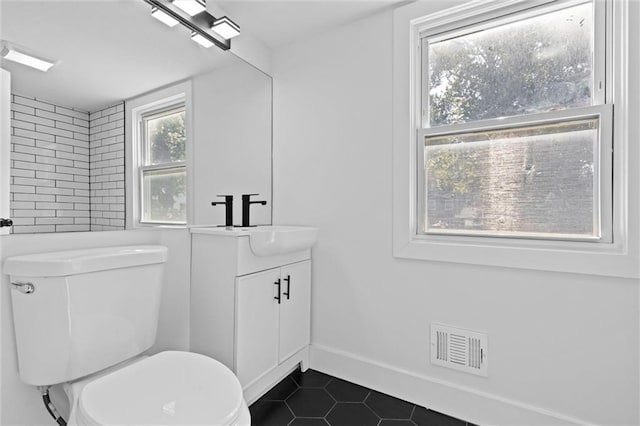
169	388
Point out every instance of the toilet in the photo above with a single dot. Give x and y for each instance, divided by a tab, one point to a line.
84	318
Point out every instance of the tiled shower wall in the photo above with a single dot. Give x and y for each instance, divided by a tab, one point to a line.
106	169
50	167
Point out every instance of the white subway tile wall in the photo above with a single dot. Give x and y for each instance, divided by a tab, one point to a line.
53	149
106	168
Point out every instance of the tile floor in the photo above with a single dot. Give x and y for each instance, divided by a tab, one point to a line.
316	399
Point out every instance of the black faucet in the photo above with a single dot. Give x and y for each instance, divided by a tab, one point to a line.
246	203
228	202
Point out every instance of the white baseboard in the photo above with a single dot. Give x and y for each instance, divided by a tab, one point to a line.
439	395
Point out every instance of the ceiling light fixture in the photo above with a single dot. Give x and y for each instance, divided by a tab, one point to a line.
202	41
191	7
192	14
163	17
226	27
10	53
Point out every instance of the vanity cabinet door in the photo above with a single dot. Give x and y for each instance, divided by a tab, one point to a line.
295	318
256	325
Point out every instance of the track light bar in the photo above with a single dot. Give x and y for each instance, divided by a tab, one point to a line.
200	23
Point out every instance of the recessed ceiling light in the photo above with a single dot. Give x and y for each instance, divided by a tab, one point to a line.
10	53
163	17
225	27
192	7
201	40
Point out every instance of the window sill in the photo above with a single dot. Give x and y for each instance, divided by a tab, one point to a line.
160	226
582	258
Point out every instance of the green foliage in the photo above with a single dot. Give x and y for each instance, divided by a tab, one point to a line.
510	70
167	137
452	171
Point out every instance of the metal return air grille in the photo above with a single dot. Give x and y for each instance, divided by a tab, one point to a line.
459	349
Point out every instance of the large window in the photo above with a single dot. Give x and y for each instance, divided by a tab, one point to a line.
162	170
516	129
507	148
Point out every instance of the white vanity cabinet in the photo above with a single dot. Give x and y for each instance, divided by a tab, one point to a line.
272	318
252	313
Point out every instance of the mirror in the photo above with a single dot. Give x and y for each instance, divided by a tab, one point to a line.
69	147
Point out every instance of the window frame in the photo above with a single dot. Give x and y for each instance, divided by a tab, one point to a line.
600	107
144	155
616	258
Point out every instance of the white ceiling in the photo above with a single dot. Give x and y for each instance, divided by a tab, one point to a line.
281	22
109	50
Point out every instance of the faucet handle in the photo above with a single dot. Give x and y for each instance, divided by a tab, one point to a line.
246	203
228	203
226	199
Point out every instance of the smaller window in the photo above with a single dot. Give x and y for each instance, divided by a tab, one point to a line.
162	166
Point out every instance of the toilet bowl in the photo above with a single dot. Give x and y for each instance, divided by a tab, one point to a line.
168	388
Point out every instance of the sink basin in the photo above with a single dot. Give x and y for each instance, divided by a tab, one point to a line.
275	240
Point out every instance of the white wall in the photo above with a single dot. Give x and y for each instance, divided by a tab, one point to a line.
21	404
563	347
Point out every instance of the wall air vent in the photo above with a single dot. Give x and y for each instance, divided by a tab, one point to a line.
460	349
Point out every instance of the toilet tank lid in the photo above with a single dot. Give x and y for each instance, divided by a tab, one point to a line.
71	262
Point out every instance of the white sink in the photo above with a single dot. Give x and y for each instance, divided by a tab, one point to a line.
275	240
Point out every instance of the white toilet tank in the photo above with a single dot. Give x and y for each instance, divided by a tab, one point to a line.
89	309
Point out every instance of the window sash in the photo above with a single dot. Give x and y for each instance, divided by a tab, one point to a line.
145	195
145	148
602	169
601	61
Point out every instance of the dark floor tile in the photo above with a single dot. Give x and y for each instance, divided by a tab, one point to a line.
301	421
388	422
309	399
388	407
310	379
344	391
281	391
351	414
270	413
423	417
310	402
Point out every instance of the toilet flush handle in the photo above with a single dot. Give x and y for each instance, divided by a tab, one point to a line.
26	288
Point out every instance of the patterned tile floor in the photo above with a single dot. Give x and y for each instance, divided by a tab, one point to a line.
316	399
